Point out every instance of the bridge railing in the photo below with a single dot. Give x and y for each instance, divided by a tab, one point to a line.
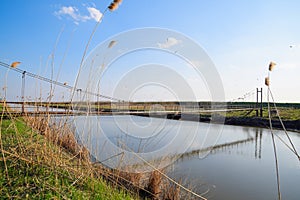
98	107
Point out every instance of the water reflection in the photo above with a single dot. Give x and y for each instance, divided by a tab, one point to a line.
258	141
243	168
230	147
240	164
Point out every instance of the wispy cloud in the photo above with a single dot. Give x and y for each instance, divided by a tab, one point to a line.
76	16
171	41
94	13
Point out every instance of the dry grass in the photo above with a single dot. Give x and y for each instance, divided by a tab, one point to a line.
43	162
155	183
35	144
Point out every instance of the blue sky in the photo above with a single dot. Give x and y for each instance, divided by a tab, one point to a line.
241	37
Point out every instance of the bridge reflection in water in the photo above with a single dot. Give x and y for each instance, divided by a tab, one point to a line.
231	147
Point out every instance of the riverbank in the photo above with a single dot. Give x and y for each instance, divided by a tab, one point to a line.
43	160
290	118
32	167
290	125
289	112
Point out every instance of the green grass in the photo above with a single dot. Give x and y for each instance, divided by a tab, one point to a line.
284	112
289	113
33	168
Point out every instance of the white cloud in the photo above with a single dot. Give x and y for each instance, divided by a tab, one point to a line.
169	43
73	12
94	13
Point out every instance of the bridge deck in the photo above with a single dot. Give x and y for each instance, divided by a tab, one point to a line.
119	112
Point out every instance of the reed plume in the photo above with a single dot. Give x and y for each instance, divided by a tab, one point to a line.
271	66
112	43
114	5
15	64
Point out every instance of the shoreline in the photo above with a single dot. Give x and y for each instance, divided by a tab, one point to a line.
290	125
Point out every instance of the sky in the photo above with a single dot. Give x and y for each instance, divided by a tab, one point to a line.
240	37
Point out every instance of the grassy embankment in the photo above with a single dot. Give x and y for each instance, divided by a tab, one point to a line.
33	167
285	113
290	118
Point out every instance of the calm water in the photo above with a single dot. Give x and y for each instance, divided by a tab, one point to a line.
240	166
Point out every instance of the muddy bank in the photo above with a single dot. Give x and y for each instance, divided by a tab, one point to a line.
291	125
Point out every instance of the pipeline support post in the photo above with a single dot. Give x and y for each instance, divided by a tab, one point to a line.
23	91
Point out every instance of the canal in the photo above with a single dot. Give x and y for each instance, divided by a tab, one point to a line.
217	161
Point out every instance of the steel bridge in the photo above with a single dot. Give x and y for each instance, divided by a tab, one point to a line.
115	105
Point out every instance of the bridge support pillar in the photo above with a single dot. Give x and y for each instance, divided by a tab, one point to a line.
259	112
